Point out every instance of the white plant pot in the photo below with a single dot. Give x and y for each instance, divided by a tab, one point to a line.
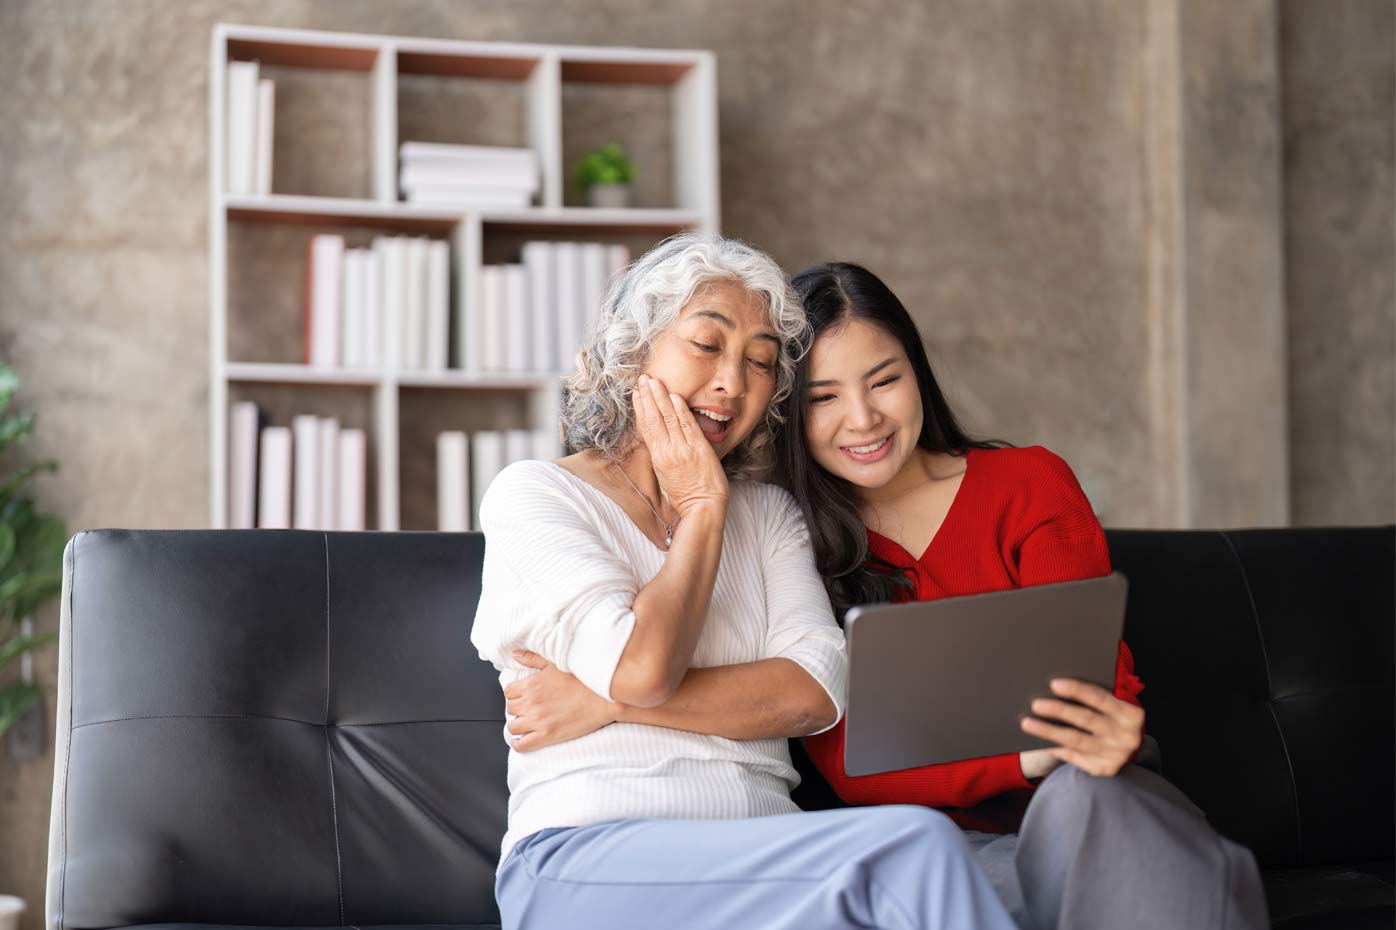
10	909
610	196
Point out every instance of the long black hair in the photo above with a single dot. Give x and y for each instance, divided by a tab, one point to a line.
834	293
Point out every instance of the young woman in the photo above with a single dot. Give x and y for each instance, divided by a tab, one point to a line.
902	504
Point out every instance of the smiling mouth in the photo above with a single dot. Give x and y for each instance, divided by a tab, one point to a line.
715	426
869	452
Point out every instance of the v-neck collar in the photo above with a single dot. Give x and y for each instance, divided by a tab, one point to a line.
610	503
889	543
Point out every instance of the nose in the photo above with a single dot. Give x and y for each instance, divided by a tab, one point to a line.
729	376
861	415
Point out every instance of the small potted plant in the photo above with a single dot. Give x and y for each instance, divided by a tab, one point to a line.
605	174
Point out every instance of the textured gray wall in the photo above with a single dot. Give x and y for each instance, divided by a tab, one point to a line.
1339	91
1083	203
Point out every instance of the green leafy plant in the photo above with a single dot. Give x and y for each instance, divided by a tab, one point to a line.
31	554
606	165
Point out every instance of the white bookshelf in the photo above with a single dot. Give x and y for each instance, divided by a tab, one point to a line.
542	70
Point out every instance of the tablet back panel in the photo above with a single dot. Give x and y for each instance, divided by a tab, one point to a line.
940	681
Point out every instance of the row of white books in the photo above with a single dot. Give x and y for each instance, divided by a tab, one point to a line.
251	114
467	175
385	306
389	306
310	475
466	464
533	315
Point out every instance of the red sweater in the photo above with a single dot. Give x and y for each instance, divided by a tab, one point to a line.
1019	518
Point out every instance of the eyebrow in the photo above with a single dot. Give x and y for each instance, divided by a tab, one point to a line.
867	374
727	322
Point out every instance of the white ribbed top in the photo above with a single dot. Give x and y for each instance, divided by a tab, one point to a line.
563	565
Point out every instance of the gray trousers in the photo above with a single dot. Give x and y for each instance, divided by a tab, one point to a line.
1128	851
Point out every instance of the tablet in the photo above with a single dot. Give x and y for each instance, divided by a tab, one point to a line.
940	681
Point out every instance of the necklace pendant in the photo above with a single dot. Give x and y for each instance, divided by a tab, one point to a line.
668	537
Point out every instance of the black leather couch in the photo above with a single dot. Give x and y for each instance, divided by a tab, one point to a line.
291	728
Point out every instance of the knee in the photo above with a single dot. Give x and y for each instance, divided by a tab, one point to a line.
922	829
1070	785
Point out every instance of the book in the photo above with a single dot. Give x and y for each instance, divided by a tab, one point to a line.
372	338
392	270
242	466
486	461
415	305
350	458
540	266
516	317
472	174
352	332
305	499
617	260
423	153
468	324
241	128
438	304
274	479
547	444
568	309
266	135
518	445
327	509
491	355
323	280
452	482
595	273
483	199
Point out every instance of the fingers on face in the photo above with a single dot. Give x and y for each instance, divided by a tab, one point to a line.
687	425
646	415
665	405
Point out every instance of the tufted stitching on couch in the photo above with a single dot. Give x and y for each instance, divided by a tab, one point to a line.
1269	691
329	747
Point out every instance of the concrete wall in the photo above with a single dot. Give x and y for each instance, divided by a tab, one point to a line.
1097	211
1339	92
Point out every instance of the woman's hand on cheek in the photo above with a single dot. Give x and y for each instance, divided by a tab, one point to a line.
551	706
685	463
1101	733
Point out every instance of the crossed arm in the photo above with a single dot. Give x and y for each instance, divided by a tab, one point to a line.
754	700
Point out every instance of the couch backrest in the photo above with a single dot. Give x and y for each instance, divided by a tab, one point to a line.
1267	662
274	727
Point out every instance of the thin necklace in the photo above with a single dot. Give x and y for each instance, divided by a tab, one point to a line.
668	527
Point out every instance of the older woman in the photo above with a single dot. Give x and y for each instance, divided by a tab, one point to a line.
660	630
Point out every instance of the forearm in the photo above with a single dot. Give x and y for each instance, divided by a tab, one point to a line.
756	700
669	611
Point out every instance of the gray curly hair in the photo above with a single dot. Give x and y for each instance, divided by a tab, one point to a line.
642	302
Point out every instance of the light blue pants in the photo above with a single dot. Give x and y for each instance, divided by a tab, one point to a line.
895	867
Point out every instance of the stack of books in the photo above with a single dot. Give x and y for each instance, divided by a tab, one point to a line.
466	464
467	176
532	316
387	306
251	112
307	476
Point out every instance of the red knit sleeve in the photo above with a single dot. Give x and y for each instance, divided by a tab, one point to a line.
1067	543
953	784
